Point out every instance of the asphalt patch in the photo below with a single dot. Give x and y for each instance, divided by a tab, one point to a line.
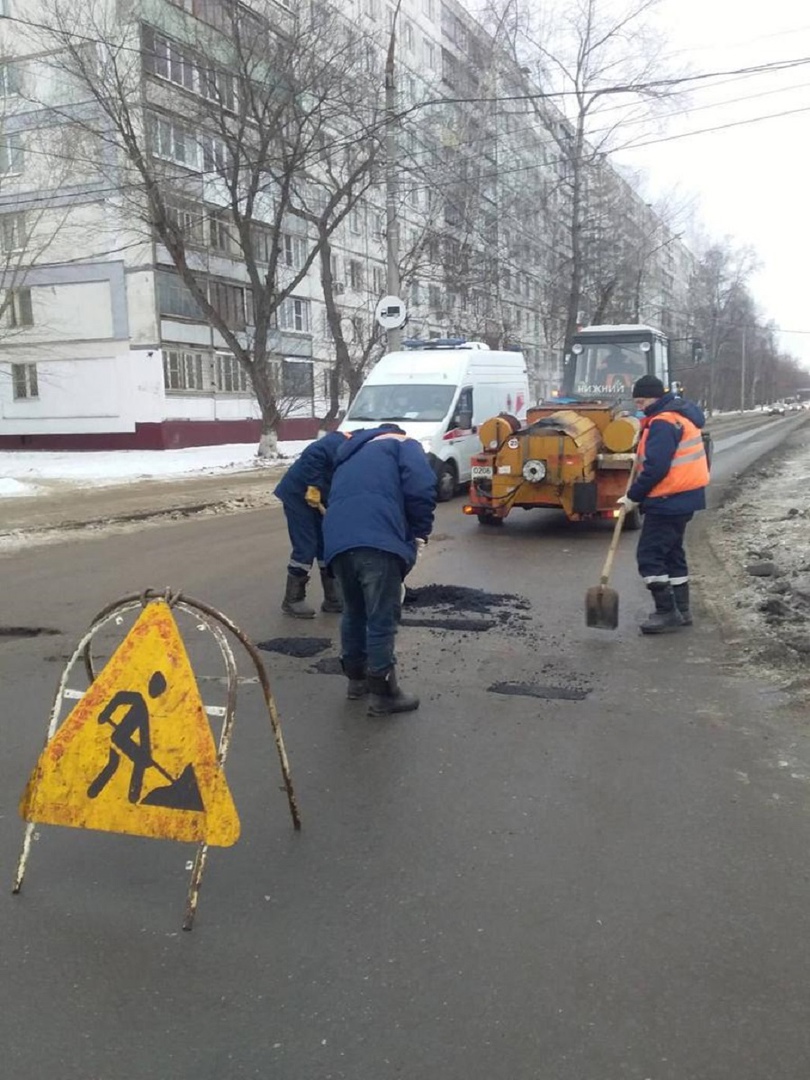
296	646
328	665
450	624
549	693
460	598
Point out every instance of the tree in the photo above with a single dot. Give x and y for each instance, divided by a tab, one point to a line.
601	66
241	138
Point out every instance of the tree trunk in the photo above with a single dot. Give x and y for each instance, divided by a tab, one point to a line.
265	389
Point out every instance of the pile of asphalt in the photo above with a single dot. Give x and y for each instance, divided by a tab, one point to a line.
295	646
462	609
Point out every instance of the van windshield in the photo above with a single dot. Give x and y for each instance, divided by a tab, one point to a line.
402	402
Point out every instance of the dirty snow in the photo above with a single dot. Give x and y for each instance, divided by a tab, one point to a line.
761	536
30	472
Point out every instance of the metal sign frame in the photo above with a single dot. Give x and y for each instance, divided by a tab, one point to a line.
216	623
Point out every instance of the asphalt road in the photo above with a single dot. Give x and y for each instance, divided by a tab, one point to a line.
607	881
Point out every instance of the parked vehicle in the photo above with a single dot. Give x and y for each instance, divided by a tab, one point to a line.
575	452
439	392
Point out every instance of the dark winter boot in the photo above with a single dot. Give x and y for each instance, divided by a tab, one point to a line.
332	600
358	683
294	602
666	616
386	696
681	594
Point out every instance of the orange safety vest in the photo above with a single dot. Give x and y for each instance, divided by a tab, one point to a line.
689	469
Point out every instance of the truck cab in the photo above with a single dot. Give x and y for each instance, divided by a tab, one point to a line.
605	362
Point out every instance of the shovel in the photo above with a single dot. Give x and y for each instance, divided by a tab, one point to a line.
602	603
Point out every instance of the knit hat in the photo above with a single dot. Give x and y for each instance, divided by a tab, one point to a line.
648	387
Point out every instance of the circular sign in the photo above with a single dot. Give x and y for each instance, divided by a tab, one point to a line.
391	312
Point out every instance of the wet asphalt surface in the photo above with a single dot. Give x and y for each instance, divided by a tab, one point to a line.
583	858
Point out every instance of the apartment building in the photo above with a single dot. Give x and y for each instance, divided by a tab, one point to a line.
104	343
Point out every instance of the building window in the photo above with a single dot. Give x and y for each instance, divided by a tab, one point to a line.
355	273
378	280
13	234
24	381
19	310
233	303
173	142
184	370
296	379
10	80
293	314
11	153
355	222
188	220
229	375
220	237
294	251
214	154
174	297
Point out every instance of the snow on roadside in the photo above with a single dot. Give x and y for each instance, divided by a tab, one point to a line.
762	537
28	472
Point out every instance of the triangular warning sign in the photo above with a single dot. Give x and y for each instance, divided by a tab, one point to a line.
137	754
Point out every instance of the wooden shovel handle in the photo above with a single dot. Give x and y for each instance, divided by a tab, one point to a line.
617	530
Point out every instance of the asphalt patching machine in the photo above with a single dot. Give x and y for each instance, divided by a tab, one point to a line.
575	451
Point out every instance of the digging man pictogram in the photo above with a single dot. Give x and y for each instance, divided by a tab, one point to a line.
131	738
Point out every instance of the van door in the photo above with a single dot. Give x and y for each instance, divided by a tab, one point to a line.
462	434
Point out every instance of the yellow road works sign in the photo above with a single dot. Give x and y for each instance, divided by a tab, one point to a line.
137	754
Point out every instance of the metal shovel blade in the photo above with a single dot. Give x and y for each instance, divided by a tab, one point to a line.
601	608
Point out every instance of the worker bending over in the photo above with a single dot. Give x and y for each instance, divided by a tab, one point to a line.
304	493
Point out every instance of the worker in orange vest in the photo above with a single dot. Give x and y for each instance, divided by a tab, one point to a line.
669	487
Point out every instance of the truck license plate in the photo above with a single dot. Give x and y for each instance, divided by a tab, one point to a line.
482	472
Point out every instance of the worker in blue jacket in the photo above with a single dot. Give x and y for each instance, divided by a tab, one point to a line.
304	493
379	518
670	486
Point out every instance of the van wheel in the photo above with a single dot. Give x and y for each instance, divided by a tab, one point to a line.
448	483
632	521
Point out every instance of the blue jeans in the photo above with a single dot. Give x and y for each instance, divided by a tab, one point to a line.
305	526
371	582
660	553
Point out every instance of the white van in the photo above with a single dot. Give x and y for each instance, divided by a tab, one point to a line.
440	392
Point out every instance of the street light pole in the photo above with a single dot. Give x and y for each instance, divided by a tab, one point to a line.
392	181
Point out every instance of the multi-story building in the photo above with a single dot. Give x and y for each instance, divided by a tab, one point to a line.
104	342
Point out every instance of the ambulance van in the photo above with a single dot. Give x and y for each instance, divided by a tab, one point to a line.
439	392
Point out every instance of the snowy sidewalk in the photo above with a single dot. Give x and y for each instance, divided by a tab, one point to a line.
50	491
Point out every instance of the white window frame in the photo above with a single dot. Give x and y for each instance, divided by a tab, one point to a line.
20	310
229	375
167	137
24	378
294	314
293	251
186	371
13	232
12	153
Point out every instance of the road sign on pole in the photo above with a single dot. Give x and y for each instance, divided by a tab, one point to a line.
391	313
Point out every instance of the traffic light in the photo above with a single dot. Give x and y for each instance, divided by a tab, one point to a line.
697	352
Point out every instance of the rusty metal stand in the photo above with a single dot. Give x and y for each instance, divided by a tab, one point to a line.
215	622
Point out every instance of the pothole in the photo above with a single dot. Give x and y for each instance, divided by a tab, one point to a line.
299	647
549	693
8	632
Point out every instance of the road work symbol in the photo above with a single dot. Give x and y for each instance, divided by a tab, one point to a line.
137	754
